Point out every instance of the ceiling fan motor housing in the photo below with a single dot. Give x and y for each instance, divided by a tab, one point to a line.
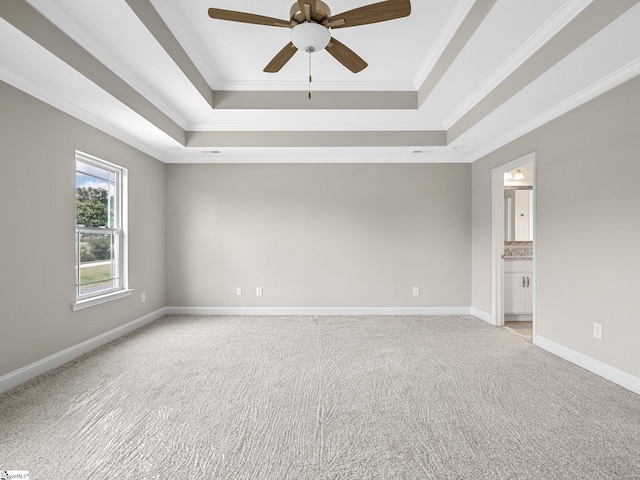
321	13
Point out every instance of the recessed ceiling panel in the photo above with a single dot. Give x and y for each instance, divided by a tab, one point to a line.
51	80
236	53
590	70
231	56
111	32
506	29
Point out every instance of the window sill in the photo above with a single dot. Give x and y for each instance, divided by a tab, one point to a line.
91	302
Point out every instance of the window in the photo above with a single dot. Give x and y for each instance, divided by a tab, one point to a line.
100	238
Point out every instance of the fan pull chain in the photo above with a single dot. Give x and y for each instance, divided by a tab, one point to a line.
309	75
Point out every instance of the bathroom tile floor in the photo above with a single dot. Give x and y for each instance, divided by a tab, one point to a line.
522	328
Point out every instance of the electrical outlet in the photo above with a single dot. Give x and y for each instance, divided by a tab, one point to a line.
416	291
238	290
143	297
258	291
597	330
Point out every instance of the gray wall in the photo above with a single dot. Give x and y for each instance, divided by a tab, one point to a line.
330	235
37	195
588	226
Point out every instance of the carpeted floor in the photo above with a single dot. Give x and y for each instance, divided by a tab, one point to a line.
320	398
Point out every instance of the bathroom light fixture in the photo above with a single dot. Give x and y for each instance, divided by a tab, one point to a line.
518	175
508	176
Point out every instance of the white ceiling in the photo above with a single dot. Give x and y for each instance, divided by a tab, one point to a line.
232	55
527	62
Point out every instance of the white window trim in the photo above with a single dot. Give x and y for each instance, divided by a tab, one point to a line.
123	210
90	302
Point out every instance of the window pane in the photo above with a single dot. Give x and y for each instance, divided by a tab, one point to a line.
95	171
95	200
96	268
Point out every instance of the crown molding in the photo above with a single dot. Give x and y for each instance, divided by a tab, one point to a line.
303	86
547	31
320	100
98	50
400	155
313	126
184	38
77	112
452	25
316	138
605	84
152	20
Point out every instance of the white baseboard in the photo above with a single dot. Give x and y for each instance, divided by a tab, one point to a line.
28	372
487	317
622	378
518	317
318	311
12	379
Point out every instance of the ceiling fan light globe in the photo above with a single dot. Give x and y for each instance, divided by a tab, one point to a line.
310	37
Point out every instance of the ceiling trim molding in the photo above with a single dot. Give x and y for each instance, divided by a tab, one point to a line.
609	82
444	38
303	86
314	156
40	29
320	100
160	31
98	50
596	16
316	126
216	139
76	112
556	23
184	38
474	18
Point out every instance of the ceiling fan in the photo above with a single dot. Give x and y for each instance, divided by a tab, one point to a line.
310	22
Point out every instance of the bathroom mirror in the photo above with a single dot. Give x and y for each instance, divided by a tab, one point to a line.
518	214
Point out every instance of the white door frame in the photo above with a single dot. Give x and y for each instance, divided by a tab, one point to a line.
497	236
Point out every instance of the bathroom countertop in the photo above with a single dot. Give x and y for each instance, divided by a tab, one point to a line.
518	254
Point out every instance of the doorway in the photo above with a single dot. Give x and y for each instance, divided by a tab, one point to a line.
499	249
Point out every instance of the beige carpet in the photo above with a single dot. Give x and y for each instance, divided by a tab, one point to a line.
320	398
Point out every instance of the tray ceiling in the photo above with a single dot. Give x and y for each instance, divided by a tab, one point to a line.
450	83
